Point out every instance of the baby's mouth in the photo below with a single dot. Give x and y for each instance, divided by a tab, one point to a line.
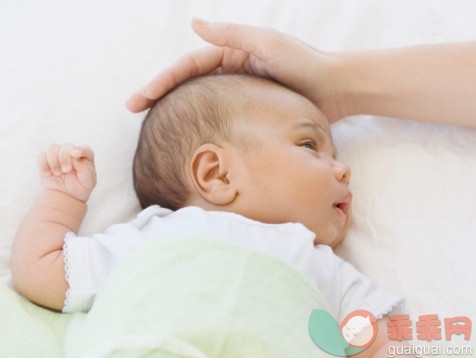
344	204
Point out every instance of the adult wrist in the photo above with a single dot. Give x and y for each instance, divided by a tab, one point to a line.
347	95
332	71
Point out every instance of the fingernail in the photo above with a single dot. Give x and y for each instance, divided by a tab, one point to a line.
128	104
143	91
200	21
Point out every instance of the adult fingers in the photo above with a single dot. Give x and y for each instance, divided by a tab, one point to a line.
256	40
259	42
196	63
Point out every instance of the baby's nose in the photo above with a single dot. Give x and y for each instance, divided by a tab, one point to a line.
342	172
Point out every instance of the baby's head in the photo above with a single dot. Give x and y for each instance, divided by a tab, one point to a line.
246	145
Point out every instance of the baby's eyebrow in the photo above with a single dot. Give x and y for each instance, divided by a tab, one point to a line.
315	127
309	124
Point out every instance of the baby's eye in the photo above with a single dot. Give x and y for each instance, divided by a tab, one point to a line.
310	144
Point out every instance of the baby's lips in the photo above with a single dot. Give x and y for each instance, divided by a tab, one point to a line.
345	203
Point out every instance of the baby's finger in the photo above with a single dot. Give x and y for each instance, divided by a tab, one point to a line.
83	159
43	165
64	157
53	160
83	163
83	152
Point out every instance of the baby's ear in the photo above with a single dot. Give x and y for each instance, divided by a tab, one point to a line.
210	175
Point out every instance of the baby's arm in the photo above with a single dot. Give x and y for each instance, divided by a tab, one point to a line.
68	177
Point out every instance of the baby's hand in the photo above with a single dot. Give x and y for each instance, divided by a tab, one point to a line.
68	168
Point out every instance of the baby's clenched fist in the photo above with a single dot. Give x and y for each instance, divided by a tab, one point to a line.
69	169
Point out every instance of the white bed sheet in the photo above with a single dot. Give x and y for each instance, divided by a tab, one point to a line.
67	67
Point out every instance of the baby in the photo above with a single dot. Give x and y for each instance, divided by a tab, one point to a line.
231	157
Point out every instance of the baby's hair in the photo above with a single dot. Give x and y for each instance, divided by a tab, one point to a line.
203	110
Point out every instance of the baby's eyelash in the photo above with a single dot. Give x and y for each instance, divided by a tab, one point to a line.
310	144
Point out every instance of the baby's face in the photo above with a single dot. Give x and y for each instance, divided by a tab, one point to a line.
294	176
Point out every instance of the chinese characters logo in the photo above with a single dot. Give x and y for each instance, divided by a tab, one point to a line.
428	327
359	330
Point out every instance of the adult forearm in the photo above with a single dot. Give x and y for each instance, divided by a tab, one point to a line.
432	83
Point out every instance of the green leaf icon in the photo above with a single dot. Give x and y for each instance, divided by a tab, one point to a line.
325	333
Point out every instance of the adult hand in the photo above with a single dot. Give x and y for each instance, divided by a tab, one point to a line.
253	50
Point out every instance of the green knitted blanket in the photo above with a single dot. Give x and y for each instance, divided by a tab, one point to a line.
192	297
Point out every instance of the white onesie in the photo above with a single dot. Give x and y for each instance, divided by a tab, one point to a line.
90	260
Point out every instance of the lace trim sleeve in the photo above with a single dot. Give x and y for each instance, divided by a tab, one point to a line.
68	237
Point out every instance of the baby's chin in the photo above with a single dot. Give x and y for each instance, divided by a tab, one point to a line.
339	239
335	238
343	232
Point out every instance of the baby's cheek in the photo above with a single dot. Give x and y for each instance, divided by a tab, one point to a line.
346	227
348	222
